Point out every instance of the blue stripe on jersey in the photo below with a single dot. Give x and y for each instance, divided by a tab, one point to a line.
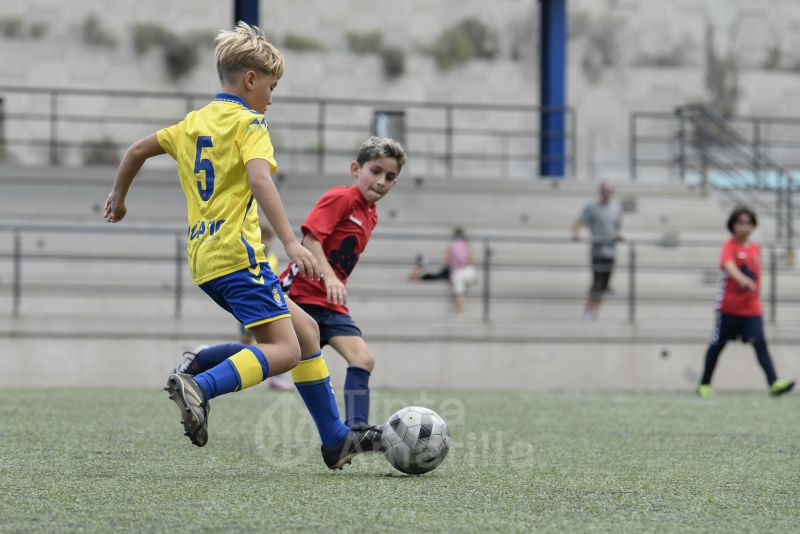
234	99
251	253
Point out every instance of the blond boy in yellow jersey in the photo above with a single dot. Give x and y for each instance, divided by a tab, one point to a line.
225	163
278	383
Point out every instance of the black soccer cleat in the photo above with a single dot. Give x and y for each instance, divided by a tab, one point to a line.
191	401
362	438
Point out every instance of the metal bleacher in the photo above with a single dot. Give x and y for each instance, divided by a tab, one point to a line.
133	274
68	277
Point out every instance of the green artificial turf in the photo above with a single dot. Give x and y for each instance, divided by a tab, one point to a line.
116	460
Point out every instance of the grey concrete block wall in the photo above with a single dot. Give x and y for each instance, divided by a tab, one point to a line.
413	335
538	289
643	32
422	365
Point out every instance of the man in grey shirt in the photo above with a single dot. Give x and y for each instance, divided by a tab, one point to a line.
604	220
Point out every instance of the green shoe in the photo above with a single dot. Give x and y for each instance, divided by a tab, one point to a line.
704	391
779	387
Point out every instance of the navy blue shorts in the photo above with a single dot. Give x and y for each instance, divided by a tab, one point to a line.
601	275
331	323
253	296
729	327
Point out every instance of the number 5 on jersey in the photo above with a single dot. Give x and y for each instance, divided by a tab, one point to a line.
202	164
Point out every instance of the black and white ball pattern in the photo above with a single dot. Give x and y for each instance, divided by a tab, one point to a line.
415	440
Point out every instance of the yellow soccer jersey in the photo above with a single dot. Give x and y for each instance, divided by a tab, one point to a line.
212	146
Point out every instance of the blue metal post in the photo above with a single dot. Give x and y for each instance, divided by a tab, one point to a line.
553	60
247	11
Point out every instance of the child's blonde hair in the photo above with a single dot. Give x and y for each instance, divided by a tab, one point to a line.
246	47
381	147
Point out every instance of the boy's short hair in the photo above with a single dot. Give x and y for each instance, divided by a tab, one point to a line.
381	147
244	48
738	212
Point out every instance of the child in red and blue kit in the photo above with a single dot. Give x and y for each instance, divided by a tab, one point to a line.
336	232
739	312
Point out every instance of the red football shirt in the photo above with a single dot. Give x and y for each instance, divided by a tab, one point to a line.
734	299
343	222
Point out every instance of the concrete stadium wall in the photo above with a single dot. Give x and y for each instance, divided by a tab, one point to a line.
548	355
421	364
95	323
656	57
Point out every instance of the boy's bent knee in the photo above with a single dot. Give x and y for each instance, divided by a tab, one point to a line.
307	327
364	360
295	358
294	351
290	350
292	355
307	332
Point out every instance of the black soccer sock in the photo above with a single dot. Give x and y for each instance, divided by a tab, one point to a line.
765	361
712	354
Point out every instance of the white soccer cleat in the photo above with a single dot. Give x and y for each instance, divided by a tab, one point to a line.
188	359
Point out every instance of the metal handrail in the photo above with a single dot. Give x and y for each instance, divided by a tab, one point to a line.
759	124
732	171
723	148
490	266
724	125
727	138
321	123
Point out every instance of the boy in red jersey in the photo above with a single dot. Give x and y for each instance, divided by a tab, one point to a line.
336	232
739	308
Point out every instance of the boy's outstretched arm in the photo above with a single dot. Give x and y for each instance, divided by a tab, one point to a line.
335	289
263	188
115	209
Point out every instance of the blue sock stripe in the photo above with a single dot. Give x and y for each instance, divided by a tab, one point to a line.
301	385
315	355
261	359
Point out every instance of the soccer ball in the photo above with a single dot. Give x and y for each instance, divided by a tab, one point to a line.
415	440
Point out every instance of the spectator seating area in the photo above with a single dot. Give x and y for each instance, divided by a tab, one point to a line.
89	285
